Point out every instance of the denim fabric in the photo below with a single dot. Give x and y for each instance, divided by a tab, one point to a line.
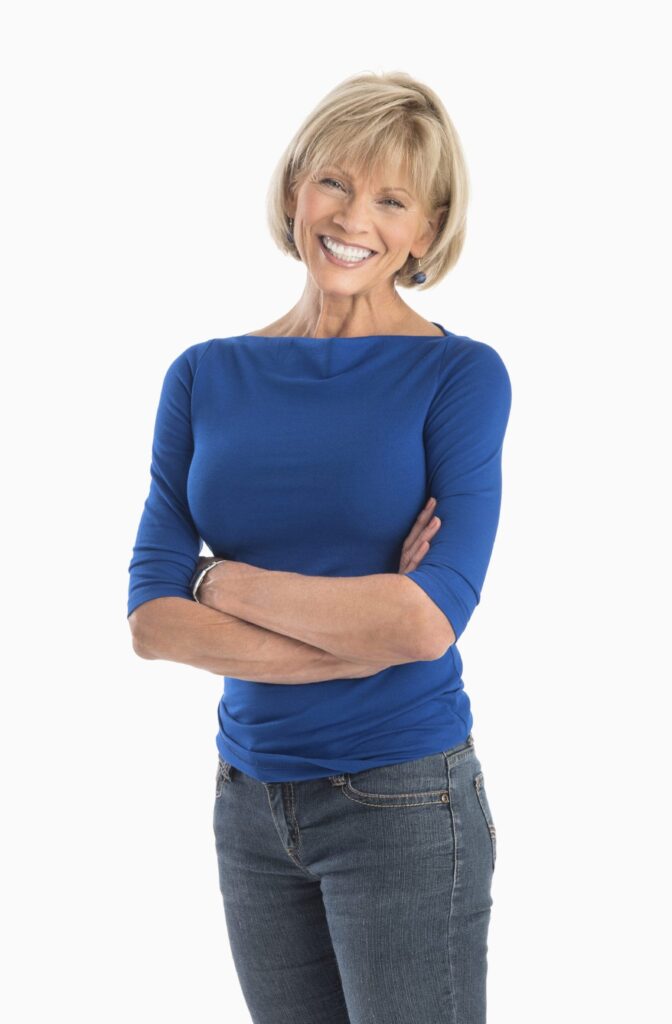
361	898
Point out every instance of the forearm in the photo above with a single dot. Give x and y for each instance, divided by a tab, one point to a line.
373	617
173	629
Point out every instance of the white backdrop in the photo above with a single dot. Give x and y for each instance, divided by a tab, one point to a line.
139	140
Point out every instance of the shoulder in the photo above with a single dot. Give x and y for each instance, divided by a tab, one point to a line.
193	354
466	355
184	366
471	365
473	388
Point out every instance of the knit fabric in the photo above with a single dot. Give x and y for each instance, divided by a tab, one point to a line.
315	456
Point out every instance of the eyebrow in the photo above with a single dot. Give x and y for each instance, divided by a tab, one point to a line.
384	188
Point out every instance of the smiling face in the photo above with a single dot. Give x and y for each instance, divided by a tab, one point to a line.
375	213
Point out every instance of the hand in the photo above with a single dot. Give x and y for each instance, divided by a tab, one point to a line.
414	549
416	545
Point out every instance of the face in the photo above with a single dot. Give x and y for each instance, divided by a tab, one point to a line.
375	219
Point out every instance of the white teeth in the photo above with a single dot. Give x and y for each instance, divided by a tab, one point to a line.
346	252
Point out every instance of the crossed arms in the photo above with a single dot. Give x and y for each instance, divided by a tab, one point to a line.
284	627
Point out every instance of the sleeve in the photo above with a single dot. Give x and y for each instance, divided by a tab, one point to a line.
464	436
167	544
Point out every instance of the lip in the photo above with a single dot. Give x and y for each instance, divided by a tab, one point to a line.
341	263
355	245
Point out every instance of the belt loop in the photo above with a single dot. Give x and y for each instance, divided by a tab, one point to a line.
470	740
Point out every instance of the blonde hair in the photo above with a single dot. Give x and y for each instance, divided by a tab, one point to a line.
370	120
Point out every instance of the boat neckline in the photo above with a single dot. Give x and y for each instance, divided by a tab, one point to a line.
345	337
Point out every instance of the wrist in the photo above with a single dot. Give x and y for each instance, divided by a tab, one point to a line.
204	569
206	589
220	595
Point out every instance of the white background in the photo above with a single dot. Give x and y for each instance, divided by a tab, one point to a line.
139	139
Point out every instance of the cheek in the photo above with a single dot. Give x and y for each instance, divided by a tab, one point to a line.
398	236
314	206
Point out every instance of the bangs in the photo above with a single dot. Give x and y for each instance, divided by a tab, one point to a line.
400	150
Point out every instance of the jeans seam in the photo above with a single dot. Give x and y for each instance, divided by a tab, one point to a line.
478	781
453	890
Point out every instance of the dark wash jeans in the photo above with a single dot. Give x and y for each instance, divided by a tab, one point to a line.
361	898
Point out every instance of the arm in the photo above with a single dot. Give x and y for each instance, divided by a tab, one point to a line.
464	436
173	629
380	617
184	631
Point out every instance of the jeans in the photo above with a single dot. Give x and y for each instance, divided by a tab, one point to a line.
361	898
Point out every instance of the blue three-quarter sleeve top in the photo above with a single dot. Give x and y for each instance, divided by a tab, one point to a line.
315	456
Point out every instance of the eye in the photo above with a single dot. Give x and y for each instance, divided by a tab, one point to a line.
398	205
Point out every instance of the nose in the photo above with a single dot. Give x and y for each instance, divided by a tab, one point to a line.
353	217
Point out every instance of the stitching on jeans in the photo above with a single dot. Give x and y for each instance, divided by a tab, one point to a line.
221	777
416	797
478	782
461	755
348	791
413	799
267	790
453	890
291	853
292	814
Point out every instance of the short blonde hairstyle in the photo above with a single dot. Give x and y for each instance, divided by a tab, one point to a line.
370	121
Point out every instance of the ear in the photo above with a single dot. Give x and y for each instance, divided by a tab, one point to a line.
290	205
431	230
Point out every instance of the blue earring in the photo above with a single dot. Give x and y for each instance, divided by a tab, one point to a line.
419	277
290	232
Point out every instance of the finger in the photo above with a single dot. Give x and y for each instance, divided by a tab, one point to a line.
420	552
430	530
422	544
421	522
412	561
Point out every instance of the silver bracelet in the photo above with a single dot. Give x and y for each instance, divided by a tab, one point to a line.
204	570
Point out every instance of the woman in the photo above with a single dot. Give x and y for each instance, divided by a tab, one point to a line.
355	842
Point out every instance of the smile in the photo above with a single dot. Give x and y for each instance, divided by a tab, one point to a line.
344	255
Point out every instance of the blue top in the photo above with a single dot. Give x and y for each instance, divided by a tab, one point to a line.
316	455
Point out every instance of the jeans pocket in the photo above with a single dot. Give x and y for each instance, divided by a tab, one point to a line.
479	783
406	784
